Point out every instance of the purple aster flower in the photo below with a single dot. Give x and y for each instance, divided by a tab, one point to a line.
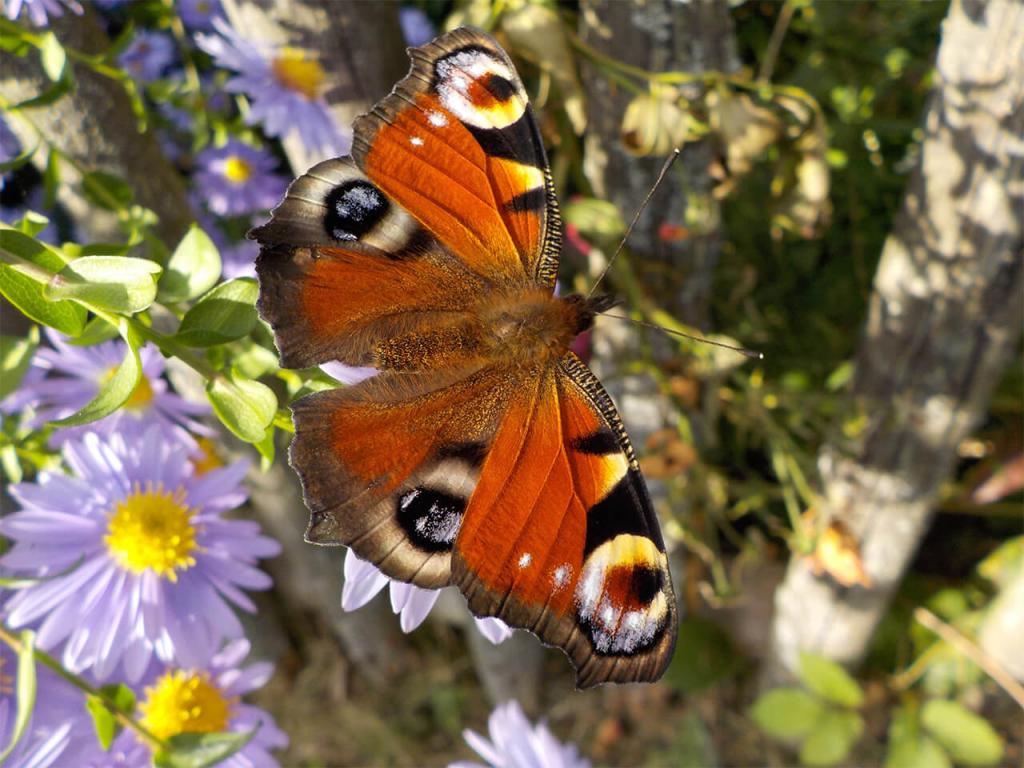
38	10
238	179
138	557
9	144
417	28
73	376
348	374
60	726
148	55
238	259
203	699
15	203
199	14
284	86
514	743
363	580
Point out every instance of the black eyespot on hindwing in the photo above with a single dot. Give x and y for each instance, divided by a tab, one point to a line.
431	518
353	209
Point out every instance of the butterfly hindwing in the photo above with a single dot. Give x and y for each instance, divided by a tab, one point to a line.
456	143
560	537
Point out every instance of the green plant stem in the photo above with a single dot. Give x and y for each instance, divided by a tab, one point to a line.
151	741
771	53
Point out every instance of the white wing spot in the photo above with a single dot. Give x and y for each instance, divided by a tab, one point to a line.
525	559
437	119
561	576
416	141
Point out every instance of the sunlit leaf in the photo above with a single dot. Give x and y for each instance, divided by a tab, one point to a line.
53	56
103	721
115	390
199	750
246	407
193	268
968	738
787	714
115	283
226	313
15	356
832	738
25	691
829	680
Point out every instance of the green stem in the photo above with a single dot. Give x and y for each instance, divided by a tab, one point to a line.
151	741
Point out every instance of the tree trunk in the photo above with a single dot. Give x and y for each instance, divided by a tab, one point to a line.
942	325
94	124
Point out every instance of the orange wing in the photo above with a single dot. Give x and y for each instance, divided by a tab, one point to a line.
560	538
344	270
457	145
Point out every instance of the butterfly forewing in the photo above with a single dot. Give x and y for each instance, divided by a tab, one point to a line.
456	143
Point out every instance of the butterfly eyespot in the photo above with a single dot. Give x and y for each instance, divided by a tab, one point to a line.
353	209
620	597
430	517
479	89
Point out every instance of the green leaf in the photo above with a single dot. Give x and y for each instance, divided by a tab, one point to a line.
199	750
51	178
115	283
53	56
833	736
787	714
15	356
97	330
595	219
920	752
226	313
266	448
117	389
103	720
968	738
829	680
120	696
27	295
193	268
50	95
245	406
107	191
704	655
12	469
26	691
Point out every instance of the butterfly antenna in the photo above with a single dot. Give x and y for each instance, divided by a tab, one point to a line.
752	354
661	176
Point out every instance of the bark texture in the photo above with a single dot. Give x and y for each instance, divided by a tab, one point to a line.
658	36
94	124
943	322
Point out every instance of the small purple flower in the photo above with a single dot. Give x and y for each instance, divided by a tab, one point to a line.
137	556
148	55
284	86
203	699
514	743
37	10
60	730
238	179
198	15
9	144
72	376
363	580
417	28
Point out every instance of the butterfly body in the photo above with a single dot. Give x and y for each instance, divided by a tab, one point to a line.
484	453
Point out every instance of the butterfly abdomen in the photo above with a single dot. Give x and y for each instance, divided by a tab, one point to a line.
531	327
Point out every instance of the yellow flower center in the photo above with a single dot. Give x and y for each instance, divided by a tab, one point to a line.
294	69
206	458
184	702
152	529
141	396
237	170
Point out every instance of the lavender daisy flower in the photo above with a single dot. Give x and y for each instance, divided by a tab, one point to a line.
204	699
154	567
514	743
363	580
417	28
237	179
284	85
148	55
73	377
198	15
60	726
38	10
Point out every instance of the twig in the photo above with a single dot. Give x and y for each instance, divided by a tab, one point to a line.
771	53
992	668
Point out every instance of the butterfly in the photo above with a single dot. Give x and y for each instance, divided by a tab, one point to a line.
483	453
